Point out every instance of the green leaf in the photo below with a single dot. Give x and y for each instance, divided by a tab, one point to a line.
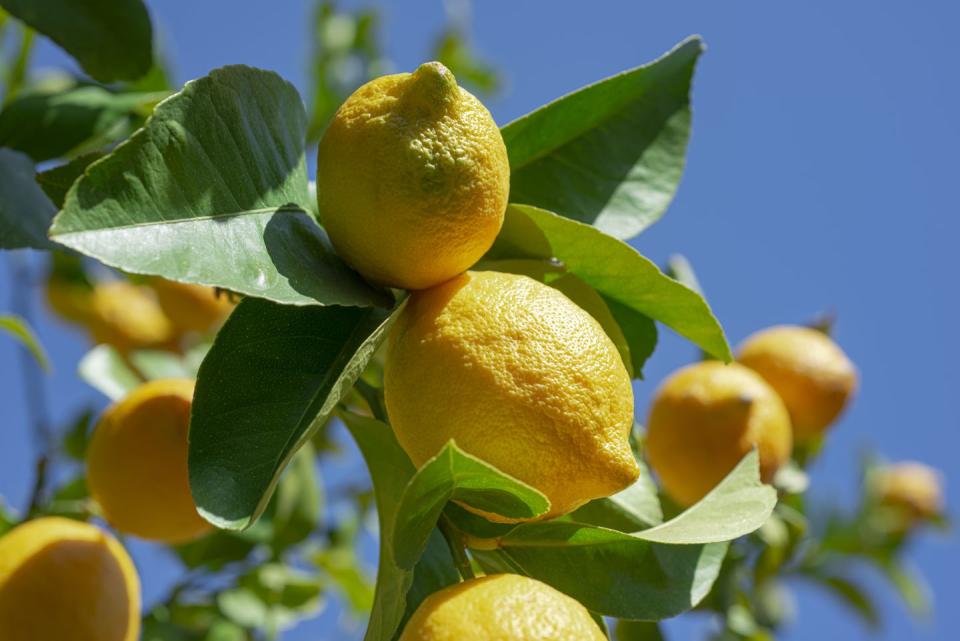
680	269
111	39
454	475
659	572
852	595
639	331
77	436
272	598
738	505
638	631
910	586
104	369
343	568
398	590
213	191
273	376
615	574
54	124
25	211
615	269
20	330
158	364
57	181
612	153
296	506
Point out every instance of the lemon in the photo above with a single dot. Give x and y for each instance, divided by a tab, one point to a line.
518	376
412	179
913	490
63	579
808	370
501	607
705	418
137	464
192	308
128	317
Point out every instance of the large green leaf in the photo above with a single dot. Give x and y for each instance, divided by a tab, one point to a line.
274	374
46	125
621	576
213	190
454	475
25	211
398	590
57	181
612	153
111	39
626	279
658	572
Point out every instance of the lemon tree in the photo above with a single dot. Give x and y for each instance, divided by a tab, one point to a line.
457	297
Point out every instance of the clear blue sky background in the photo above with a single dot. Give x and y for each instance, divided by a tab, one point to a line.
822	175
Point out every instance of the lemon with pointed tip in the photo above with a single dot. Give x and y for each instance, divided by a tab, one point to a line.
704	419
501	607
137	464
520	377
412	179
64	579
808	370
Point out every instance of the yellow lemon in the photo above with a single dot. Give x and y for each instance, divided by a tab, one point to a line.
412	179
501	607
137	464
192	308
518	376
63	579
808	370
705	418
128	317
912	489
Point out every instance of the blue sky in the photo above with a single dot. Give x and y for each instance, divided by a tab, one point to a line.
821	176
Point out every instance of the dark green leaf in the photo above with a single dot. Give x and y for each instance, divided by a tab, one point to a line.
638	631
57	181
454	475
213	191
25	211
77	436
273	376
612	267
111	39
20	330
397	589
639	331
46	125
612	153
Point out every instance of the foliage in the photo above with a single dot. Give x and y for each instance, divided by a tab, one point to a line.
209	185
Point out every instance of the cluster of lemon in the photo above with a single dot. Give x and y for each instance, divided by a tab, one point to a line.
413	181
129	316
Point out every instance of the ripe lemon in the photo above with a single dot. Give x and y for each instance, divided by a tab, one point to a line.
63	579
518	376
192	308
137	464
128	317
913	490
808	370
705	418
501	607
412	179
